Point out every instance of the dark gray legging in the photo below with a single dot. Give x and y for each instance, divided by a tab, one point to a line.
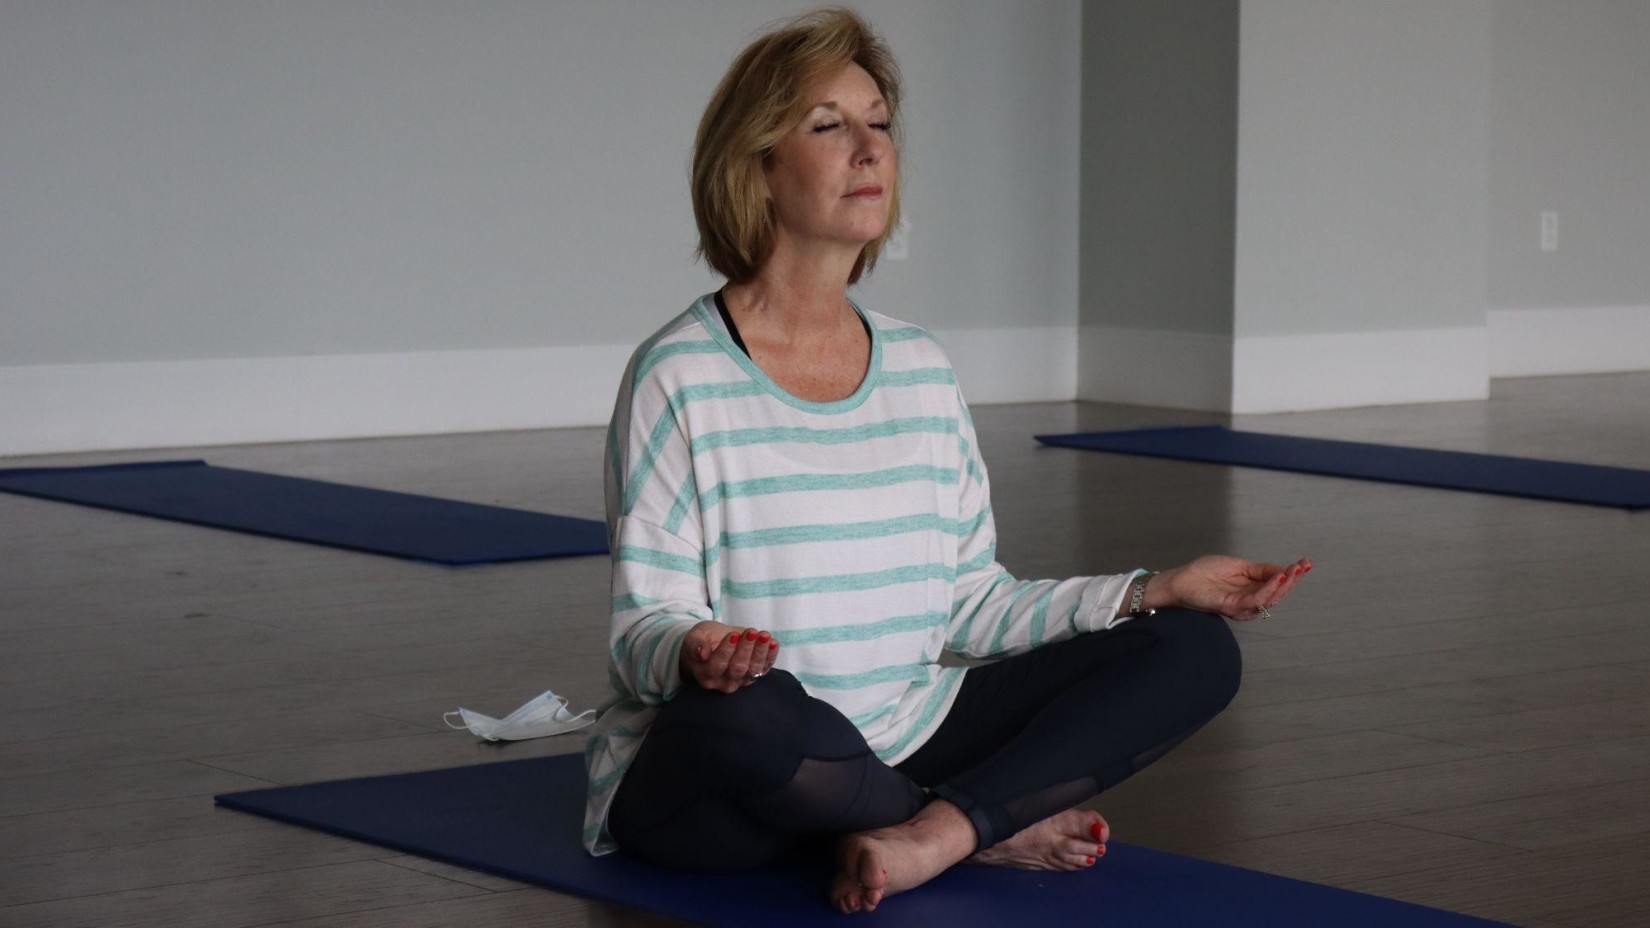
728	782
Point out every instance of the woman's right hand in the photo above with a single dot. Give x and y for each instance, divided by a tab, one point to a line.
723	658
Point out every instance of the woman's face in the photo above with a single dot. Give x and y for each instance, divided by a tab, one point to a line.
831	177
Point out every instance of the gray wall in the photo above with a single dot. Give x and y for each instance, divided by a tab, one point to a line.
232	179
1360	121
1362	166
1285	203
1283	167
1159	141
226	178
1570	130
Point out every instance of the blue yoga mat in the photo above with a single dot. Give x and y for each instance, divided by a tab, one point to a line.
521	819
1617	487
420	528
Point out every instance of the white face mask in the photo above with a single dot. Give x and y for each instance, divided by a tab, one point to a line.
543	715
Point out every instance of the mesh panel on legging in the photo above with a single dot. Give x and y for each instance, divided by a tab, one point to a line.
1035	734
1054	799
727	782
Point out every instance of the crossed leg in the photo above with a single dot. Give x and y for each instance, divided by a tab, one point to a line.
1031	736
769	769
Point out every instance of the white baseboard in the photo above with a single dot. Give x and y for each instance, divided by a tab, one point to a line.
1569	340
48	409
1287	373
1281	373
85	407
1180	370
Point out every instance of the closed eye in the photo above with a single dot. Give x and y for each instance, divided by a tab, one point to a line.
879	126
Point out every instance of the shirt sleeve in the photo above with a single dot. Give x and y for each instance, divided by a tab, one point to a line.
654	535
993	614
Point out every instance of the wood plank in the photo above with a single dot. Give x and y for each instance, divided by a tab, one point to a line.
1427	718
275	847
122	823
426	751
1367	643
86	789
1558	819
1620	912
464	875
1164	815
1362	850
244	901
1606	878
1391	710
143	746
1549	726
1511	659
1205	761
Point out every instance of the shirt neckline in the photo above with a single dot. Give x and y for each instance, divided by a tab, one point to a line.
705	310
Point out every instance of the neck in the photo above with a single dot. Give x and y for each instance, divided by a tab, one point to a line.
796	298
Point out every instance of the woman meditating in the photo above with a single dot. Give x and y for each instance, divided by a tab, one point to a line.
801	527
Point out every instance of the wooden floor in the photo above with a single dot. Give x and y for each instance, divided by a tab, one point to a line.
1453	710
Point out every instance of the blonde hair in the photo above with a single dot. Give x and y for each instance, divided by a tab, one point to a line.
759	100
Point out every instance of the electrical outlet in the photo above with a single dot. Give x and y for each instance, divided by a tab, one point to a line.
898	246
1549	231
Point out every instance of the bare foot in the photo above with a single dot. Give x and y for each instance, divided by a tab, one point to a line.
873	865
1070	840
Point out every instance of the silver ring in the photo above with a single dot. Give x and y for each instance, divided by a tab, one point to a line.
1264	614
749	677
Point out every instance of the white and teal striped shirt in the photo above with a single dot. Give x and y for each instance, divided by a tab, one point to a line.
858	531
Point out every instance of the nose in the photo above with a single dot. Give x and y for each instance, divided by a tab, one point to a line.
870	145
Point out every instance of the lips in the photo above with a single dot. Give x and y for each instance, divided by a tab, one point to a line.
869	190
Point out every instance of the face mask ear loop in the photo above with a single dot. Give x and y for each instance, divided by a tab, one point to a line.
448	718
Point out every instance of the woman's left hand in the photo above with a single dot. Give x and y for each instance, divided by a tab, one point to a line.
1233	587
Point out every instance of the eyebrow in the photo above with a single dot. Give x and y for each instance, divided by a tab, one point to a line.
832	105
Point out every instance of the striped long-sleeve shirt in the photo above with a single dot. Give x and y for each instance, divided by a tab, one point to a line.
858	531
